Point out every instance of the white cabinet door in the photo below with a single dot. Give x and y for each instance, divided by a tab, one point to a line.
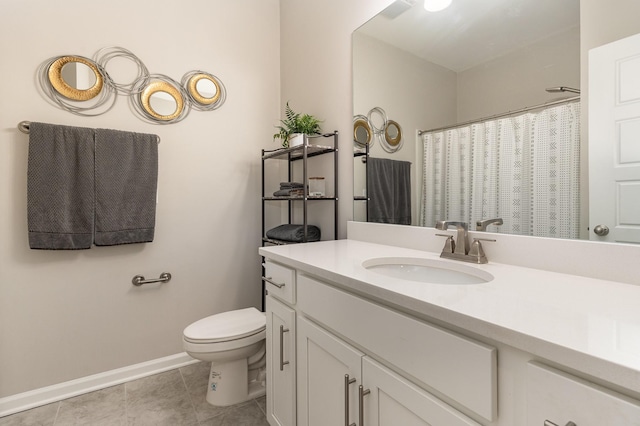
281	363
328	377
392	400
557	397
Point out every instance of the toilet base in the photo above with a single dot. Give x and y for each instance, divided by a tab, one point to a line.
229	384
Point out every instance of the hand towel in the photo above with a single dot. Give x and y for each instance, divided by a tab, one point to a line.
60	184
126	176
294	233
389	186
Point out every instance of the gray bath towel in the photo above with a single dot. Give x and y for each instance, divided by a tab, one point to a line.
389	185
126	181
60	184
294	233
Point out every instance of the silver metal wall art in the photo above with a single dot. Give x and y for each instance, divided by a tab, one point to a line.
83	86
376	125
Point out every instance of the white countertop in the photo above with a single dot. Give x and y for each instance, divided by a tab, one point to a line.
586	324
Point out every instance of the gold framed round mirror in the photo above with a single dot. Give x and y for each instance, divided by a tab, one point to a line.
204	89
68	75
162	101
362	133
393	133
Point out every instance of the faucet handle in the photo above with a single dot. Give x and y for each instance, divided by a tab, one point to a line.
449	245
476	250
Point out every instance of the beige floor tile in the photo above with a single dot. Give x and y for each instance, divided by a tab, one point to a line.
105	407
39	416
159	400
243	415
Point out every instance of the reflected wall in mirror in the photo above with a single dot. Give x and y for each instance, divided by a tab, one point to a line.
470	61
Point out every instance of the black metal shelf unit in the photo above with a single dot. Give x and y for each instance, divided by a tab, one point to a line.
363	154
312	146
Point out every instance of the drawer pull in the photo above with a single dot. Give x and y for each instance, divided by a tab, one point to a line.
361	393
347	382
550	423
270	281
282	361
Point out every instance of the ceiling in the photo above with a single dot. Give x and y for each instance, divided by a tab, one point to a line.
471	32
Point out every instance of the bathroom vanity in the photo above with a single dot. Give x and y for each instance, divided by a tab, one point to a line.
349	344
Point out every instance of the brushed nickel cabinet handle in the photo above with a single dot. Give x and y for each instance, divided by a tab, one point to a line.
270	281
282	361
347	382
361	393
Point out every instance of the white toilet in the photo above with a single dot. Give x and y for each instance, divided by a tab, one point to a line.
234	343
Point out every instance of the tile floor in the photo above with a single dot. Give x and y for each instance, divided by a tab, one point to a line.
173	398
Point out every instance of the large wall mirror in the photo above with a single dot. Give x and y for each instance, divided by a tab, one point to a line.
473	75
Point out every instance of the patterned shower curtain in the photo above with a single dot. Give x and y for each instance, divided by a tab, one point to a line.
524	169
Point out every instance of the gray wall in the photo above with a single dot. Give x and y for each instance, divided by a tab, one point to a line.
69	314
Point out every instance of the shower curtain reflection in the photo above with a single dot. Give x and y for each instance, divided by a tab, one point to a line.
524	169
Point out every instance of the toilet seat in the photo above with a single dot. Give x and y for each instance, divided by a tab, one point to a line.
226	326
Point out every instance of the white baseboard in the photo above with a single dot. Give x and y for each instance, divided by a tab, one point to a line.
37	397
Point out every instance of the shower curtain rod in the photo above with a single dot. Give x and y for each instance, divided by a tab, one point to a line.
505	114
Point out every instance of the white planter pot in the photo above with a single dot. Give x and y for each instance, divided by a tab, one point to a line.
296	139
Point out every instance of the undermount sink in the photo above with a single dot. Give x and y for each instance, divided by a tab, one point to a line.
427	270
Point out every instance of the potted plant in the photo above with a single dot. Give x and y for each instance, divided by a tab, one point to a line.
294	126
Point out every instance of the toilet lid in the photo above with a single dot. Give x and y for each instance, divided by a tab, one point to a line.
225	326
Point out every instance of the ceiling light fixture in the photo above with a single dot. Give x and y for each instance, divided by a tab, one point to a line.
436	5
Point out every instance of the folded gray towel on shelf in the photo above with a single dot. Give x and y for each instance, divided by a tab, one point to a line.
298	192
294	233
284	185
60	187
126	167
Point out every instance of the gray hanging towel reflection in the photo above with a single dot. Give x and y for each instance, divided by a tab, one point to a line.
60	187
389	186
126	176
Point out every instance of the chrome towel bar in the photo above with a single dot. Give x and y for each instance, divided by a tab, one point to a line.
138	280
23	126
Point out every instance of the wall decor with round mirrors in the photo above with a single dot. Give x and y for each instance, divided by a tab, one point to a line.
83	86
475	60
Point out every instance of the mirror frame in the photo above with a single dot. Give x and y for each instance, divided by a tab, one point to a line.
394	142
161	86
69	92
192	88
360	122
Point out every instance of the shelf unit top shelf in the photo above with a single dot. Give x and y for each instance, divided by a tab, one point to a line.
267	198
297	152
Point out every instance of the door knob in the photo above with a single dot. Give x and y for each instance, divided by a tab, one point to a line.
601	230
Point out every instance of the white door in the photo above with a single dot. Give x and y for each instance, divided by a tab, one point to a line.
328	377
281	365
391	400
614	141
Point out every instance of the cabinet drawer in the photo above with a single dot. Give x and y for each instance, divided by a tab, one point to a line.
458	367
560	398
280	281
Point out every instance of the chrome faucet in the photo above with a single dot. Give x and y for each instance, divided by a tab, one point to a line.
459	248
481	225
